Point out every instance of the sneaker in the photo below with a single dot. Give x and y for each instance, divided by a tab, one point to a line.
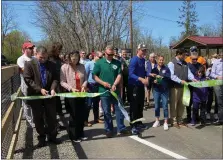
123	132
77	140
84	138
192	123
156	124
208	116
215	117
165	126
135	131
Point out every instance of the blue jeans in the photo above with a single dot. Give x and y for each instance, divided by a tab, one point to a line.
106	102
161	95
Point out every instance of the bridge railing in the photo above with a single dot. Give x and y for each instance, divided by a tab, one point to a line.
11	112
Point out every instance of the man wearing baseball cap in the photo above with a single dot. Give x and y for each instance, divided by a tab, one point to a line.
136	81
200	59
27	50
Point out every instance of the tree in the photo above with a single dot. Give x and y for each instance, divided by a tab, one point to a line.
188	18
84	25
12	48
8	21
209	30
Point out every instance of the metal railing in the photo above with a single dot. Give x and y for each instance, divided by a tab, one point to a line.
11	111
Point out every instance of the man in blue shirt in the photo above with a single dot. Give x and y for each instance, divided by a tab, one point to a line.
217	73
136	81
180	73
93	88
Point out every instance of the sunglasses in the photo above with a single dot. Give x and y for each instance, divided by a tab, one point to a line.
83	53
193	50
195	59
110	55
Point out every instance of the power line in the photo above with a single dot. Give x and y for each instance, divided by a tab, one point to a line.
160	18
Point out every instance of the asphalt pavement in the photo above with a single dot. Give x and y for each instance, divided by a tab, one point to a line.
155	143
185	143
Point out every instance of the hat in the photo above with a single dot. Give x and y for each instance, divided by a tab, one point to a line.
193	49
142	46
215	55
27	45
109	47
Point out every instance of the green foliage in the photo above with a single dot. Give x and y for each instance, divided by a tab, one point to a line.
12	45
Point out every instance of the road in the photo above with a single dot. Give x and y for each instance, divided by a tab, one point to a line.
192	142
155	143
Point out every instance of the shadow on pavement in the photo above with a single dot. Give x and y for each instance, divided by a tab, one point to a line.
80	151
28	150
54	151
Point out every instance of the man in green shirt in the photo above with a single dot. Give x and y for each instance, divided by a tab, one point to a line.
107	73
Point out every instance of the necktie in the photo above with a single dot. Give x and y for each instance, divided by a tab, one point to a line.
43	74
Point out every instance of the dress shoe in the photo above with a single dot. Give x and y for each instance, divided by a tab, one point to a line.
183	125
109	134
87	124
176	125
54	141
99	121
41	144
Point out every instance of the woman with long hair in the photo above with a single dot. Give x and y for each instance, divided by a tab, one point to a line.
74	79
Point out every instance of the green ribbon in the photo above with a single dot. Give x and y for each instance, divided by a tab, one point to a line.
208	83
79	94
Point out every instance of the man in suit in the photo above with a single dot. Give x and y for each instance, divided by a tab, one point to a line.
41	78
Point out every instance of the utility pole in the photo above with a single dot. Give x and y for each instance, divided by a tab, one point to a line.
131	30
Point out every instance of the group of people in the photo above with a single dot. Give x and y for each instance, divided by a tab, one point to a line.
47	72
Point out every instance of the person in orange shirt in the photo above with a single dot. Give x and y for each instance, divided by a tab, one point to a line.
200	59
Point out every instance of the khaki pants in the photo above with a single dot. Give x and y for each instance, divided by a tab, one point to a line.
176	105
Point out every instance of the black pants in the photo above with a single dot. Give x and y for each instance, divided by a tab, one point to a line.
67	104
95	102
210	101
196	106
125	90
58	101
93	88
40	108
58	105
76	123
136	95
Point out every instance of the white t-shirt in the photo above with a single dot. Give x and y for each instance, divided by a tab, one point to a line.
22	59
21	63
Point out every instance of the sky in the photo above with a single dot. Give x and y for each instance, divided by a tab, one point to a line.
155	16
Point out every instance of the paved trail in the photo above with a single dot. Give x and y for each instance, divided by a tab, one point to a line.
185	143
